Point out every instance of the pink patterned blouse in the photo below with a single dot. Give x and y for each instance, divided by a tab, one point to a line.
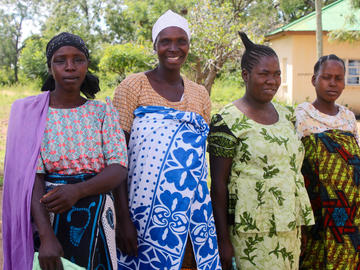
80	140
310	120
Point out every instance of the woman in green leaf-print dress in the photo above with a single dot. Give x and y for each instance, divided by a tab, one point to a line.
258	193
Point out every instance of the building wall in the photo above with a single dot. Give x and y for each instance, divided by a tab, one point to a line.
284	49
300	63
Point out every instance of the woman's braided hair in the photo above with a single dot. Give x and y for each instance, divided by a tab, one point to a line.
325	58
253	53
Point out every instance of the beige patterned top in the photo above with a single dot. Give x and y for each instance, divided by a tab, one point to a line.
310	120
136	91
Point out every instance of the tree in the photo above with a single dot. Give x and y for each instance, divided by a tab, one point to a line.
215	39
319	32
33	60
12	17
294	9
123	59
353	19
132	20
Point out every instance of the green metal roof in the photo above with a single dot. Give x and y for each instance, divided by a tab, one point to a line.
334	17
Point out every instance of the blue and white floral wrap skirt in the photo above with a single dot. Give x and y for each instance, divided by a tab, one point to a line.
168	193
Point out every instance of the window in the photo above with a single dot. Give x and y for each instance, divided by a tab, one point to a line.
353	72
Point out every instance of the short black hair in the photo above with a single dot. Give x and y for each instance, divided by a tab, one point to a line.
325	58
253	52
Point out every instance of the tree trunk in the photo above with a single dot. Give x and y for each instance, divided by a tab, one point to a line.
319	32
210	78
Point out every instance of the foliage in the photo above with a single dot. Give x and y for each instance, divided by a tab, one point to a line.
12	17
33	60
353	19
214	43
132	20
123	59
294	9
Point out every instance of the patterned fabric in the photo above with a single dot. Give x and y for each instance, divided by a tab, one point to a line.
262	251
168	194
310	120
65	39
332	177
86	231
136	91
267	194
82	140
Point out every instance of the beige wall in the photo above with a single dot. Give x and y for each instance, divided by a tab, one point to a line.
300	50
284	47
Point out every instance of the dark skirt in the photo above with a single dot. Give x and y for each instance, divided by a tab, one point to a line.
86	231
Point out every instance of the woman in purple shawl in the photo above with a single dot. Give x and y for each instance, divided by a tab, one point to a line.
64	155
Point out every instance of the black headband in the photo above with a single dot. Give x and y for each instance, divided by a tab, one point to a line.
65	39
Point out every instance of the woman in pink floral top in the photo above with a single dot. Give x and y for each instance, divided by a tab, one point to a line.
83	157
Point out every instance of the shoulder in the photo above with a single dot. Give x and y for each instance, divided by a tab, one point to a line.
135	78
31	99
346	111
132	82
305	106
303	110
193	86
231	116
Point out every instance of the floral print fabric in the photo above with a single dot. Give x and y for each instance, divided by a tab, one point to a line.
82	140
310	120
168	195
267	196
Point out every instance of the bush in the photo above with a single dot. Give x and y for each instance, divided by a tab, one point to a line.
33	60
122	59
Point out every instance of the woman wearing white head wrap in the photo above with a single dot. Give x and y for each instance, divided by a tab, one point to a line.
165	118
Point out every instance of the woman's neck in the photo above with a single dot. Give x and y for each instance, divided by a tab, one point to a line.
62	99
329	108
170	76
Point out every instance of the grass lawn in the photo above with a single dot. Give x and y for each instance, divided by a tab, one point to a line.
222	93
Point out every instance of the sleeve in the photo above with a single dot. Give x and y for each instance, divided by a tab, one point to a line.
114	144
300	116
125	101
40	168
221	141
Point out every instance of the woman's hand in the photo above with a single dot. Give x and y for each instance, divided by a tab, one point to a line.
226	252
126	237
50	252
61	198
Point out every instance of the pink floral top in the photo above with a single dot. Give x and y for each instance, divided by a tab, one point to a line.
310	120
84	139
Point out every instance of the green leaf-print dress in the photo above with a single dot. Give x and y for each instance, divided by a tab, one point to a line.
268	201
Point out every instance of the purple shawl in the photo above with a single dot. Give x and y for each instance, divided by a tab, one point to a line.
25	132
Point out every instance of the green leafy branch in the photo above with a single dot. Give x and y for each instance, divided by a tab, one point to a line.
272	231
293	166
270	171
240	124
277	194
274	139
244	150
248	222
284	254
307	214
250	247
292	225
260	193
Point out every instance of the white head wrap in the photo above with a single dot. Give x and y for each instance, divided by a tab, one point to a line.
168	19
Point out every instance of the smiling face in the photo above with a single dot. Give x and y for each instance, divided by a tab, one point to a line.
172	47
68	67
329	82
264	79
